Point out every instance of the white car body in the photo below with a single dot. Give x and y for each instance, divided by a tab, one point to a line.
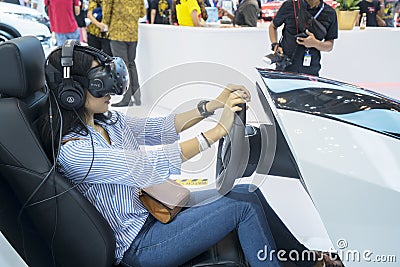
345	141
16	21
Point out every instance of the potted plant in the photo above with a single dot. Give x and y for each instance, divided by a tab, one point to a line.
347	11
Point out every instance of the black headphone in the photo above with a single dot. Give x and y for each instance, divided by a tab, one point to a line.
110	77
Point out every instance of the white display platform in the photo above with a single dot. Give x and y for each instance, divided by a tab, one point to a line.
368	58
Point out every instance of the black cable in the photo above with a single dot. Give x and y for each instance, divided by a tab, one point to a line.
83	179
55	157
19	218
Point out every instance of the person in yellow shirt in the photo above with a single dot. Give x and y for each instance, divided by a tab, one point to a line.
188	13
97	31
122	17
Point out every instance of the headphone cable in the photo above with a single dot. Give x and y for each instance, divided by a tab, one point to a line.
25	205
83	179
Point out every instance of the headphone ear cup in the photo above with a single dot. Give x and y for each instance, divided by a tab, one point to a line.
71	95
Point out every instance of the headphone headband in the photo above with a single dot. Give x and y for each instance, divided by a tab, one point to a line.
67	53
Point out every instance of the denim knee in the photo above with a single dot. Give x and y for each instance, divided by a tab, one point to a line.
245	189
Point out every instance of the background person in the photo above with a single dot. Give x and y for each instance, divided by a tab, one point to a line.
202	5
188	12
374	10
305	53
396	11
246	14
160	12
122	19
81	20
62	19
388	16
97	31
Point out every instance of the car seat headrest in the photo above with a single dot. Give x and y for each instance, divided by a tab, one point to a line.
22	67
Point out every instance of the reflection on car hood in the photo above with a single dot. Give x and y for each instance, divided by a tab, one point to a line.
24	13
334	100
18	9
24	26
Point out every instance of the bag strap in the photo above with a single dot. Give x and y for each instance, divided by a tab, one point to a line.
71	139
320	10
296	18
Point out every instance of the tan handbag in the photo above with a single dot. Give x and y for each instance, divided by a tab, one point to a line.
164	200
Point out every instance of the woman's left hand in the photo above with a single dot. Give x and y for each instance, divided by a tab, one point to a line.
221	100
231	106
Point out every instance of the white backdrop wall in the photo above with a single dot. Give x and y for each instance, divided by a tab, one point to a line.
368	58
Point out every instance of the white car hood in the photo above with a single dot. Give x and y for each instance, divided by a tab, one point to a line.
346	143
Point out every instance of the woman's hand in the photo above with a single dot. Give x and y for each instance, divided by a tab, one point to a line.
228	99
221	100
103	27
234	98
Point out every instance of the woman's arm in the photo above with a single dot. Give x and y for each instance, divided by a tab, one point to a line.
189	118
192	147
138	167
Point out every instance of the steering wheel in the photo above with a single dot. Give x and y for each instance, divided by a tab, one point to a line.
234	153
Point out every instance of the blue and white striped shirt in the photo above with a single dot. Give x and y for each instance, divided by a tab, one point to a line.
119	170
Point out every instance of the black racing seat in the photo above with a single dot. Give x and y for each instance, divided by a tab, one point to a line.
62	231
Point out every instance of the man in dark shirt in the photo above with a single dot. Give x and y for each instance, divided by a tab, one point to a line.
373	9
160	12
246	13
303	51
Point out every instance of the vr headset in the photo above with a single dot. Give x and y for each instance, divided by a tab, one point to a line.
109	77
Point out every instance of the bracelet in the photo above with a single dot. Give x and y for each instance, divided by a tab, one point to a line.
273	45
201	106
205	138
202	142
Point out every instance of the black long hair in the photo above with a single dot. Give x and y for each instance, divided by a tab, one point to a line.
69	120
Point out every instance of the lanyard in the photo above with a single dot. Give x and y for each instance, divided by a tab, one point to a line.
320	10
299	6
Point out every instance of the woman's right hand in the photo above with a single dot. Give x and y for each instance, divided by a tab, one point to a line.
221	99
231	106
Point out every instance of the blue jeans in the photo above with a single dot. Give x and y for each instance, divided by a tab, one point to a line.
62	37
196	229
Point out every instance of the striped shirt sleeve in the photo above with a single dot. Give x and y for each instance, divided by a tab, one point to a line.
153	131
135	167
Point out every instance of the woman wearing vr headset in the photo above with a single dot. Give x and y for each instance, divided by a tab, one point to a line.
100	154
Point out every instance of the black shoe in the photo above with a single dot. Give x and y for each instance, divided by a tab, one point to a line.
122	103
